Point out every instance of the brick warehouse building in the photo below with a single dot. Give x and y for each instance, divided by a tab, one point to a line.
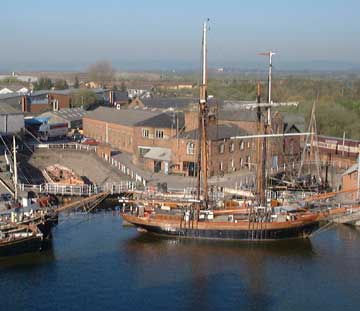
167	141
350	181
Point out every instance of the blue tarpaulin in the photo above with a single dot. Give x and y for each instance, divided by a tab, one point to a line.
38	120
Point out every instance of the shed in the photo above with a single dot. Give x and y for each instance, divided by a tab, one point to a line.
11	120
72	116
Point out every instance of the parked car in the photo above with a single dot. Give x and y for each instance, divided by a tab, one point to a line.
89	141
6	197
77	137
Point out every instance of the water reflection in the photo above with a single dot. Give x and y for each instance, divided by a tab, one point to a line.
213	271
27	261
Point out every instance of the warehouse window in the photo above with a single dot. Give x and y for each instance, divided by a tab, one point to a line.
242	145
159	134
248	162
221	148
232	147
190	148
145	132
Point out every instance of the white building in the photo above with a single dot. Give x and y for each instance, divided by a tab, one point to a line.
5	90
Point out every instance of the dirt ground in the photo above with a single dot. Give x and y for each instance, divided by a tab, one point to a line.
82	163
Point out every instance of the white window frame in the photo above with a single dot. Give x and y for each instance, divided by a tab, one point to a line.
232	147
222	148
158	132
190	148
242	145
145	132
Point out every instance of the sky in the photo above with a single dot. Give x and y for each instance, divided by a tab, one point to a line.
160	34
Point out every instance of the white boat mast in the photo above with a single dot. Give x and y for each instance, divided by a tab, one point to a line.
270	54
15	171
202	178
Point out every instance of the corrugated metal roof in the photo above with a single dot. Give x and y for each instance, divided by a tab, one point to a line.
70	114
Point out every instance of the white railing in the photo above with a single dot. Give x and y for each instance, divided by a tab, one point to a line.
80	190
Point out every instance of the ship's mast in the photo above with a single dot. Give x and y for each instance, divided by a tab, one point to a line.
261	153
15	170
358	177
267	130
203	120
270	54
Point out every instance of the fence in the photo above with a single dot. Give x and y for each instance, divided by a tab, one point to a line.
80	190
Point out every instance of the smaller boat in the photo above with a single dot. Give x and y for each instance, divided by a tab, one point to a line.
22	239
58	174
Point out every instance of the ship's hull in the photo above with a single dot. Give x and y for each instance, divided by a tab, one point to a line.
46	226
21	246
242	232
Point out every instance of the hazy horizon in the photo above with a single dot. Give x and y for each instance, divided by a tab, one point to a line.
160	35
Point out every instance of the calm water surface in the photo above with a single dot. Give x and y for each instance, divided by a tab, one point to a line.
96	264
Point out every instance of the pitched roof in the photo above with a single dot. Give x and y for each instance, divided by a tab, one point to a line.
68	114
292	119
217	132
164	120
122	116
8	109
237	115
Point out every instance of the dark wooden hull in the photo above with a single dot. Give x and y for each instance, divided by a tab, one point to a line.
300	231
21	246
46	226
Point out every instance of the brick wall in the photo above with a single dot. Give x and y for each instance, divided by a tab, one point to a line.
349	182
63	100
118	136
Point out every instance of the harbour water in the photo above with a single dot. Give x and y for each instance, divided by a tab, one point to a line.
96	264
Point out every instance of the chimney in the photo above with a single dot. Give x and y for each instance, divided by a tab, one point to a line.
191	120
25	105
111	98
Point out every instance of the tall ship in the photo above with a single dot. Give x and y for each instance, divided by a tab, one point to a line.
208	216
25	225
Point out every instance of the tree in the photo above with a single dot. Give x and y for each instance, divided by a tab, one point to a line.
101	72
61	85
76	83
83	98
123	87
43	83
